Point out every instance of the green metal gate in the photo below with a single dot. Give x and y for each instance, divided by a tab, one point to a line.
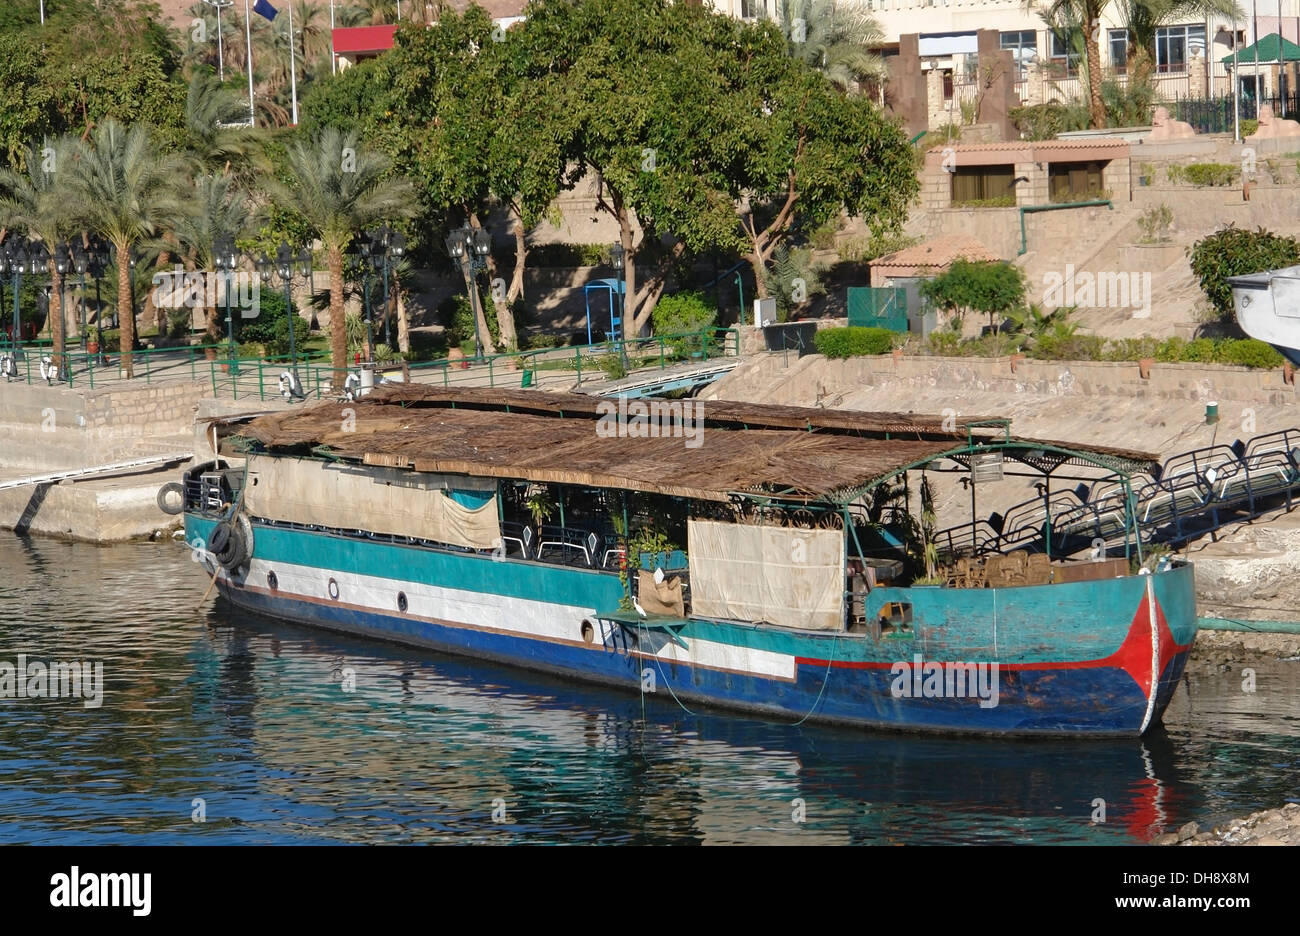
878	307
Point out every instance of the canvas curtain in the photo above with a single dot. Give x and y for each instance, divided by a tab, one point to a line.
381	500
783	575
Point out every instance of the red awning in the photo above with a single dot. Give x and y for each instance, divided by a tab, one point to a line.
363	39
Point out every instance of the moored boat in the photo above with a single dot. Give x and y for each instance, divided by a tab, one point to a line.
777	560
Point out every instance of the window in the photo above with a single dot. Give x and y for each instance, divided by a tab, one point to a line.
752	9
947	84
984	184
1119	50
1063	49
1176	44
1070	182
1023	46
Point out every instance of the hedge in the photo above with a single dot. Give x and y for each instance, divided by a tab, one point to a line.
853	341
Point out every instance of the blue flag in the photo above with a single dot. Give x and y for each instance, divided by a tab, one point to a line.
262	8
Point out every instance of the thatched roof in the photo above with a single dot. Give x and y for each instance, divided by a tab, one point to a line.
536	436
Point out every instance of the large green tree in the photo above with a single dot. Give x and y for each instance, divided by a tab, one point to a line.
127	192
340	187
43	201
211	208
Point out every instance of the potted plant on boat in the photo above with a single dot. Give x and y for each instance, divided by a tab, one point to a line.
540	506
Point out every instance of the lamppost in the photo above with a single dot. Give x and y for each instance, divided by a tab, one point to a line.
225	257
97	262
469	248
15	261
368	259
62	263
618	255
283	266
220	5
81	263
387	247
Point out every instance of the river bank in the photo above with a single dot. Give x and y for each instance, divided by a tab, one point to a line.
1268	827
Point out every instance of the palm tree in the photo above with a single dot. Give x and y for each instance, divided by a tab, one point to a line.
126	193
834	37
216	137
1084	16
43	203
339	188
213	208
1143	17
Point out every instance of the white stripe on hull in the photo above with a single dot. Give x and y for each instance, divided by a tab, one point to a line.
525	617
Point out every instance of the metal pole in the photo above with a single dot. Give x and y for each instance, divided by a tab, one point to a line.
99	321
42	12
293	69
293	352
221	55
471	287
1254	14
365	288
334	56
1236	84
248	40
17	331
388	328
230	329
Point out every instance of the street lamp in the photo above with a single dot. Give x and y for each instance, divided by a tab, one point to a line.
619	256
81	263
387	248
469	248
226	260
97	257
283	266
62	263
367	255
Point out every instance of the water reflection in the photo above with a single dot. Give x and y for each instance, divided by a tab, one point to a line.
289	734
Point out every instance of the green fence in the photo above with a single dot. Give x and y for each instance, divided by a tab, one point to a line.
878	307
259	378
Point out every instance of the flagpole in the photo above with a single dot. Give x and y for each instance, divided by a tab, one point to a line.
334	57
248	40
293	69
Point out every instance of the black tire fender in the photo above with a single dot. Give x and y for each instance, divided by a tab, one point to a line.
164	505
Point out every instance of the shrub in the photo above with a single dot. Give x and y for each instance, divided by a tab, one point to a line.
1249	126
1154	222
1001	201
1234	252
612	364
853	341
1204	173
866	249
1169	351
1251	352
271	327
683	313
1200	351
945	342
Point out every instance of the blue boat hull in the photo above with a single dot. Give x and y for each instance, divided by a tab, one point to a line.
1085	658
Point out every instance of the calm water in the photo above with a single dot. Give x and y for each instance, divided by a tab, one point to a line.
251	717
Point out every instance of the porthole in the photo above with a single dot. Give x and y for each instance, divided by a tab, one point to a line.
401	601
334	589
272	582
588	632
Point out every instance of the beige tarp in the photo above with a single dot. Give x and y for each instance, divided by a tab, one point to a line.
380	500
783	575
663	598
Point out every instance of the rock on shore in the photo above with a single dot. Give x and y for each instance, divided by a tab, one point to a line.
1270	827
